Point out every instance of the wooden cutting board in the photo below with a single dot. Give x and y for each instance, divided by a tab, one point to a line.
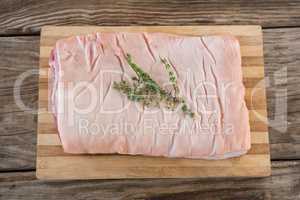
53	163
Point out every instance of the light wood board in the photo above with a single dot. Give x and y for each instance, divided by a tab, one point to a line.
53	163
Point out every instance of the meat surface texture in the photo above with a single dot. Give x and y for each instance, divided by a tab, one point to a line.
92	117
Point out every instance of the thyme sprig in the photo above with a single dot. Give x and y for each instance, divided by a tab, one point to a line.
172	77
147	92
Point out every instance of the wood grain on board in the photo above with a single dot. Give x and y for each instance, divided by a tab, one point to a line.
53	163
282	185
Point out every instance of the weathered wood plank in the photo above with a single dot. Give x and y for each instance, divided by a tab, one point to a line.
18	129
283	184
281	48
15	18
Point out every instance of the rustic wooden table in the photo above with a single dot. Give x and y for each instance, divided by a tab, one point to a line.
19	46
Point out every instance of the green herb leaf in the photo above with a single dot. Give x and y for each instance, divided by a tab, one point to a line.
146	91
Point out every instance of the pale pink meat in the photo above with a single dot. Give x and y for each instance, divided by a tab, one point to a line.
92	117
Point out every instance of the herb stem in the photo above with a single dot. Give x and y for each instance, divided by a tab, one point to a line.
146	91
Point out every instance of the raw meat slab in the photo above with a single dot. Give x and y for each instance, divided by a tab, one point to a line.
53	163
